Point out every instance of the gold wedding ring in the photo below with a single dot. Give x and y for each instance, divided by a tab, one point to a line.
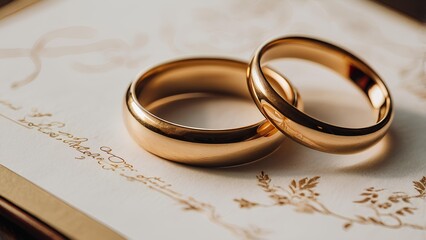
196	146
300	126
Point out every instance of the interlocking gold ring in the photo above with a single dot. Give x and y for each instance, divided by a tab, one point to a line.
308	130
195	146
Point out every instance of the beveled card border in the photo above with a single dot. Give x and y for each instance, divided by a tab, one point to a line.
51	211
15	6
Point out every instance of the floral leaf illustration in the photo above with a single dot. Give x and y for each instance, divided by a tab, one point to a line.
312	183
305	208
301	195
363	200
409	210
347	225
403	211
302	182
400	212
263	177
293	185
370	194
245	203
385	205
280	199
420	186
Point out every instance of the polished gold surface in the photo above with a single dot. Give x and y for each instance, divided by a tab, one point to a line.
196	146
300	126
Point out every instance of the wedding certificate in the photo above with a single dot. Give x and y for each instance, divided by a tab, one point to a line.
64	70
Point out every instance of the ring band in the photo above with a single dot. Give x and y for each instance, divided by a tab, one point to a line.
195	146
303	128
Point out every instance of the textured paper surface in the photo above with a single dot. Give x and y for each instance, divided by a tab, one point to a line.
64	68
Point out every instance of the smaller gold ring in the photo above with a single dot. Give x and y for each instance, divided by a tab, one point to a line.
300	126
196	146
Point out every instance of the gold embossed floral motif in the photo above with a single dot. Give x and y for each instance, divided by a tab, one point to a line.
388	210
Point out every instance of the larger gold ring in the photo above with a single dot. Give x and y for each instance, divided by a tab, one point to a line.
308	130
197	146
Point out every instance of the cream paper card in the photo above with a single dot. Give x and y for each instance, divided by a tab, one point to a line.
64	68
